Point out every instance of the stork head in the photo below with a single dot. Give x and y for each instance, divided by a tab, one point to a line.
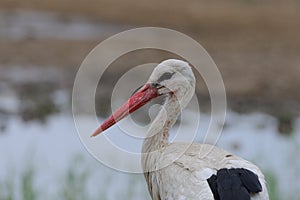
172	78
176	78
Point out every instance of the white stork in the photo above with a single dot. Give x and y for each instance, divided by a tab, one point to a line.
173	171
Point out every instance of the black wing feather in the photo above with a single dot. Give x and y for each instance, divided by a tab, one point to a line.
230	186
212	182
241	194
234	184
249	180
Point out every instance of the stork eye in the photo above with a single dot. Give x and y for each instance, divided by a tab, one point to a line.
165	76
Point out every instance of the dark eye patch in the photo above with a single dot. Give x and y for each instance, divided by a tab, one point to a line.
165	76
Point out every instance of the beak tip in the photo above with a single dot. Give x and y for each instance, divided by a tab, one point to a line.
97	132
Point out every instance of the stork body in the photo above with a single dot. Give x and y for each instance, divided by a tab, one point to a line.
186	178
182	171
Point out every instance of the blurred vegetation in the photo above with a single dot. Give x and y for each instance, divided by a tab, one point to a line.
27	184
73	185
37	100
75	181
7	189
272	186
285	122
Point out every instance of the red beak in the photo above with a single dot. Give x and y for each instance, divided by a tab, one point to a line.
137	100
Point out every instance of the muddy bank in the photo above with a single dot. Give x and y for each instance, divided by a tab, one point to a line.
255	48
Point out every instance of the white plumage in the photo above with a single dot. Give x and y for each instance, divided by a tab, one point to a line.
180	171
186	178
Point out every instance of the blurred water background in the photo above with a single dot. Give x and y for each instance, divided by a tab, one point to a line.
254	43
